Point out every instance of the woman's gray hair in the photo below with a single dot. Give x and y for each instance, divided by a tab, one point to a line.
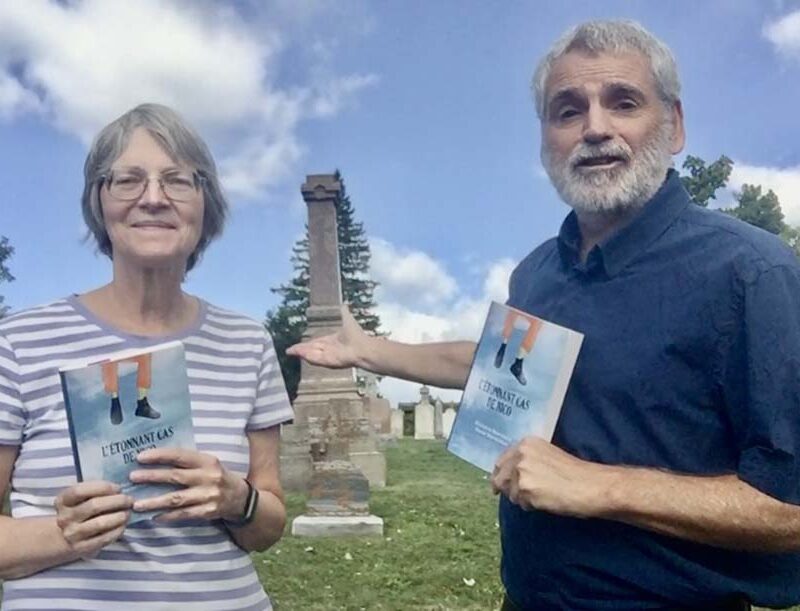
180	142
614	36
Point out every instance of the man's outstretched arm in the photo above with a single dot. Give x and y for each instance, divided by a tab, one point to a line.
443	364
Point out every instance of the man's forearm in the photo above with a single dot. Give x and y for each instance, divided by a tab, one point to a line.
722	511
444	364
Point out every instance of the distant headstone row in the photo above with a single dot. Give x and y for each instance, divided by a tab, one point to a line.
423	420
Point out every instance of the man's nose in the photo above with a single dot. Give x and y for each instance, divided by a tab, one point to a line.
597	125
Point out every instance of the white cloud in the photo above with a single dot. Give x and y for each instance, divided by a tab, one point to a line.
452	315
495	286
784	34
410	278
330	98
15	99
81	64
785	182
257	165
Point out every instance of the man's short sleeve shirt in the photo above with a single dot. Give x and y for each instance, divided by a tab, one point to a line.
691	363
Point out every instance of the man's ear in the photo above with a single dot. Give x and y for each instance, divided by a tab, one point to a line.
678	132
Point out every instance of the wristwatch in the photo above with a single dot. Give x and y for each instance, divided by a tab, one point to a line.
250	506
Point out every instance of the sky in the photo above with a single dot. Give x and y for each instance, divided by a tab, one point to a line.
424	106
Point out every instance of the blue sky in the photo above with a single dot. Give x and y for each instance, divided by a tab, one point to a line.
423	105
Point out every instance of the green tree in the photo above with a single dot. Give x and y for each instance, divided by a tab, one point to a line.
287	322
792	237
6	250
752	204
702	181
760	210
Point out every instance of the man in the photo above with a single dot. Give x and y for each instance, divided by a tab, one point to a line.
673	479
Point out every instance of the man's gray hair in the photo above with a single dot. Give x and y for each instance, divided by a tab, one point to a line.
613	36
180	142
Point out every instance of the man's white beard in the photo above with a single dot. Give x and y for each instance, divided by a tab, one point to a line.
627	187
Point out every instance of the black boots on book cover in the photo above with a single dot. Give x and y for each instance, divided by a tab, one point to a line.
498	359
143	410
116	411
516	367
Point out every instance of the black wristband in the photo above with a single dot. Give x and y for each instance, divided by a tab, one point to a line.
250	506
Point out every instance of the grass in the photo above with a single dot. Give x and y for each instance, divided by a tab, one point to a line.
440	530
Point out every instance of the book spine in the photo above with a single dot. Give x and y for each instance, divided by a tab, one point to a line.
72	436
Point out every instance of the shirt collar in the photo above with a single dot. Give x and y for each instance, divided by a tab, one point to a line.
626	244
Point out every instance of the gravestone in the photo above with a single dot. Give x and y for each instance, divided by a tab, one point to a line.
437	419
397	423
331	437
380	414
367	382
448	417
338	493
423	416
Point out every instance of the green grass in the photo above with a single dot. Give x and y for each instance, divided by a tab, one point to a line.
440	530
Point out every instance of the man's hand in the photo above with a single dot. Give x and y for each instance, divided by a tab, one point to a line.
211	491
345	348
535	474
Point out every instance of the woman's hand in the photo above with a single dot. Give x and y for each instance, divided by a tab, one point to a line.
210	490
345	348
91	515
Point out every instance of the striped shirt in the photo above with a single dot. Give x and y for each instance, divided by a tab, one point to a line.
235	386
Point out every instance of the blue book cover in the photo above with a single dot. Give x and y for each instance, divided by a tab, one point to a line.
133	401
519	376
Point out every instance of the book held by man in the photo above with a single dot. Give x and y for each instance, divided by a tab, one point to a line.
519	376
130	402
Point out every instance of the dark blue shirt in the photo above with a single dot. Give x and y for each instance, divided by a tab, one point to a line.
691	363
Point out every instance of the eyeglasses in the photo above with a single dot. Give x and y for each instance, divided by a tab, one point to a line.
177	186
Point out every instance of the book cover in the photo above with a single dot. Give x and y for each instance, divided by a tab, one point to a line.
519	376
133	401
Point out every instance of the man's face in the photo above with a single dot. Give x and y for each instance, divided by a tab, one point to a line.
607	138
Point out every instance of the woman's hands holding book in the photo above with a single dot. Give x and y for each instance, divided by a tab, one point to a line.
91	515
209	490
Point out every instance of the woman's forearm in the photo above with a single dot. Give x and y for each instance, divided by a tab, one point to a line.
30	545
267	526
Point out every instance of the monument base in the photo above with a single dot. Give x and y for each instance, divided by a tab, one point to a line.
372	465
296	465
337	526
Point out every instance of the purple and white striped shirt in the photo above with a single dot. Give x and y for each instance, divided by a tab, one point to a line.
235	385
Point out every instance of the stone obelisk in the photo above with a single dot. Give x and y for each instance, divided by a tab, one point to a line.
331	449
321	193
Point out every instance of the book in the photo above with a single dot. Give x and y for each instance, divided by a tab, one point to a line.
516	385
131	401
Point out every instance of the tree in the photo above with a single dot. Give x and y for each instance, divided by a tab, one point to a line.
760	210
752	205
703	181
287	322
791	236
6	250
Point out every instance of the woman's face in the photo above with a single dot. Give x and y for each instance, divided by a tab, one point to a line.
152	230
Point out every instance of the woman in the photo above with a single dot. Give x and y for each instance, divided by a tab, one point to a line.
153	203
